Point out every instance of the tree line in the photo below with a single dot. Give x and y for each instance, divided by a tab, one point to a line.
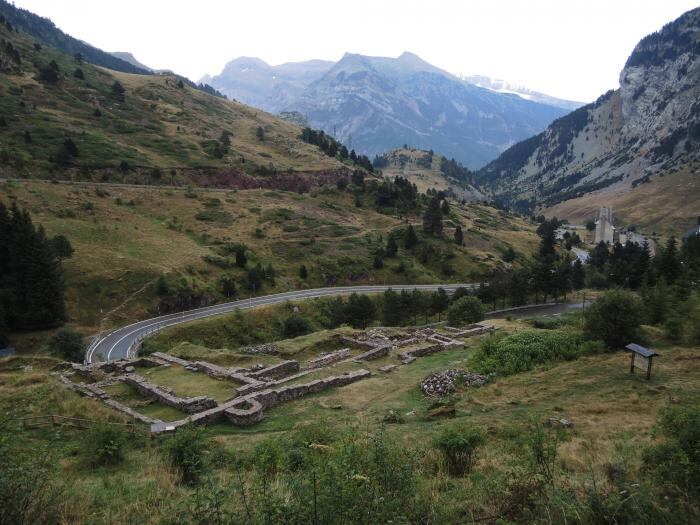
31	275
334	148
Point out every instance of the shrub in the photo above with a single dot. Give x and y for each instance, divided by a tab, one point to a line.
295	326
675	463
465	310
104	444
68	344
29	492
615	318
522	351
673	328
546	323
186	452
458	445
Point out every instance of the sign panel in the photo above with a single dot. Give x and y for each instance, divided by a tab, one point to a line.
641	362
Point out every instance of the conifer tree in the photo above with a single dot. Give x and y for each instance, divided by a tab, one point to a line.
391	247
459	237
409	238
669	264
32	281
432	218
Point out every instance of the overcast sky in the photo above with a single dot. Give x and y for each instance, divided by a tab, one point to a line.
571	49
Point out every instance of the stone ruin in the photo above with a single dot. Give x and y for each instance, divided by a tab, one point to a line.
440	384
259	387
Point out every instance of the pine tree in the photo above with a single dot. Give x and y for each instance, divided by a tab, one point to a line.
359	311
228	286
303	273
439	301
670	266
391	247
117	91
34	276
445	208
459	238
241	259
260	133
162	287
409	238
432	218
391	308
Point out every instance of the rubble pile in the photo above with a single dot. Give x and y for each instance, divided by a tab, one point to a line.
440	384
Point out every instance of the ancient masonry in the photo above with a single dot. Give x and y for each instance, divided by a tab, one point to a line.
260	388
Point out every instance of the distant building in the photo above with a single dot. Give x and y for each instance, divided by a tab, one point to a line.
605	231
604	226
695	230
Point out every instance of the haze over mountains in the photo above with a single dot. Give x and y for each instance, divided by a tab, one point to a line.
375	104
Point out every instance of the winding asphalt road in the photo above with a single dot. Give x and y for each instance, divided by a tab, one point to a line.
122	342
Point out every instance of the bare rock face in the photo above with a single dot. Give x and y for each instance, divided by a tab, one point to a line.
651	123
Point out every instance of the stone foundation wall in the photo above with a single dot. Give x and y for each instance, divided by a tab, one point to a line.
171	359
189	405
277	371
418	352
329	358
375	353
245	411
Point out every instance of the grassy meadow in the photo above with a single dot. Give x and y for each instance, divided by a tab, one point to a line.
126	238
614	415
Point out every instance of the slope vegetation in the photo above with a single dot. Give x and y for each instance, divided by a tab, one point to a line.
157	129
126	238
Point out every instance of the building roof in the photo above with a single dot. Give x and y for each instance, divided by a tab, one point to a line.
644	352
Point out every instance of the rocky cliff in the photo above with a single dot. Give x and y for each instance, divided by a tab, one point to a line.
646	129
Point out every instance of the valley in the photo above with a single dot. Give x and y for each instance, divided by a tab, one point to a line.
346	292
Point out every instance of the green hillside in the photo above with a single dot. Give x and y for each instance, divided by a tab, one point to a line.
125	238
156	130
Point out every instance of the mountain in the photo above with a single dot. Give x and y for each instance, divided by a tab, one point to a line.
45	32
272	88
131	59
66	118
645	133
503	86
375	104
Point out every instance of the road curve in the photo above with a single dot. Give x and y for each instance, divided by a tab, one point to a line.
121	343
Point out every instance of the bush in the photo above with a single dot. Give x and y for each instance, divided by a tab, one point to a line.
545	323
29	492
186	451
522	351
458	445
673	328
68	344
104	444
675	463
465	310
615	318
295	325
